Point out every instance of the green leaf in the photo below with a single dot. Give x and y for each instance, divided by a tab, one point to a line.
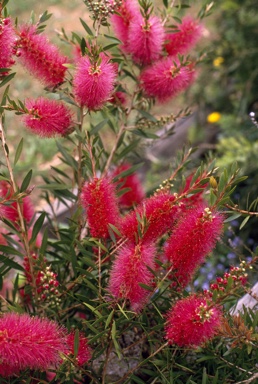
122	311
137	379
128	149
113	335
86	27
4	3
90	285
110	46
109	319
10	262
147	287
44	17
44	242
76	343
6	79
244	222
67	157
112	38
18	151
54	186
94	310
114	229
147	115
204	376
37	227
98	127
26	181
213	198
233	217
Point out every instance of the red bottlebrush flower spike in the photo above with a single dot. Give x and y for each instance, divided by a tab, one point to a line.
94	82
9	211
164	79
136	193
84	352
192	239
157	215
121	21
145	39
29	342
7	44
191	322
41	58
129	270
48	118
180	42
99	200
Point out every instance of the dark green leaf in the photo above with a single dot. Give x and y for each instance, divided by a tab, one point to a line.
86	27
10	262
37	227
147	115
76	343
6	79
244	222
44	17
54	186
18	151
110	46
26	181
95	129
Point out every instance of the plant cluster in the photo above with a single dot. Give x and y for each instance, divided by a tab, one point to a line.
112	286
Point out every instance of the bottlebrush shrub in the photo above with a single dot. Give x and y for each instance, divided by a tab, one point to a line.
100	273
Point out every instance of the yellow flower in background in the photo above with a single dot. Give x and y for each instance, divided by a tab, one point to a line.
218	61
213	117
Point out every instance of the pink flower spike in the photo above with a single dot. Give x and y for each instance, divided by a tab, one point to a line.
29	342
99	200
193	238
129	270
94	82
190	32
84	352
48	118
164	80
135	194
122	19
7	44
145	39
41	58
191	322
152	218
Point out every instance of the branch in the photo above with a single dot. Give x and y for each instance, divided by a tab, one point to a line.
241	210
